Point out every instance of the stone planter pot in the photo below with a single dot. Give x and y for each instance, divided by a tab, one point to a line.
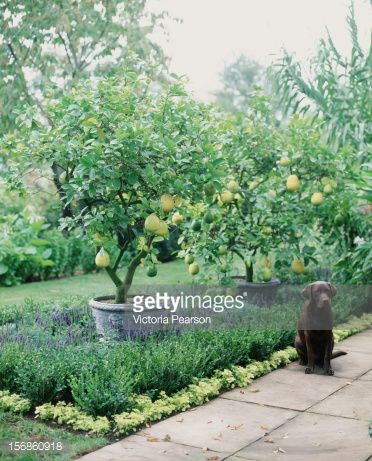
259	293
111	319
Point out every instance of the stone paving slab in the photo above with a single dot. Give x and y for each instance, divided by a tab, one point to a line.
361	342
349	366
137	448
352	401
288	389
221	424
312	437
292	417
367	376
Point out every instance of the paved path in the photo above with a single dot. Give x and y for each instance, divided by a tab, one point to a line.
285	415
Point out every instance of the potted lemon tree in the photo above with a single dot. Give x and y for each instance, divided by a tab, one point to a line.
276	188
126	157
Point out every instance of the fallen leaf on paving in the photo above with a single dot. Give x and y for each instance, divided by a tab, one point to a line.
167	438
205	448
279	450
269	440
285	436
235	428
152	439
213	458
263	427
208	422
186	453
218	436
179	420
254	390
242	392
316	444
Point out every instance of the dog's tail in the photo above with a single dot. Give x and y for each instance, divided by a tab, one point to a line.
338	354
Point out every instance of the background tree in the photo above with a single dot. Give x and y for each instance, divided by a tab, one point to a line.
337	90
239	79
46	46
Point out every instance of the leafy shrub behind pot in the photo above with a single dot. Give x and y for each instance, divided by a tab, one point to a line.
102	390
30	251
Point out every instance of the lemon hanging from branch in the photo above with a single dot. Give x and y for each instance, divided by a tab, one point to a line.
102	258
167	203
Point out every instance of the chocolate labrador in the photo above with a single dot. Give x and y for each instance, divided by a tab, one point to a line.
314	342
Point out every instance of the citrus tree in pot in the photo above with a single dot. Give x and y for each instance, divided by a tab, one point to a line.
271	197
126	158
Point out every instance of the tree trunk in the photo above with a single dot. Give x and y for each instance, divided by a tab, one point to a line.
123	289
248	271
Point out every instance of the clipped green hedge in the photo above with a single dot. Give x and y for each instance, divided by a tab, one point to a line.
146	411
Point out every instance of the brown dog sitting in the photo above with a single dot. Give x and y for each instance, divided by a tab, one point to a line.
314	342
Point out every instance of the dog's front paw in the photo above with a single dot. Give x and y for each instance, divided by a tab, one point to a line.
309	370
329	371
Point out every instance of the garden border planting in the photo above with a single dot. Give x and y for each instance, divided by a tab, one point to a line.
198	393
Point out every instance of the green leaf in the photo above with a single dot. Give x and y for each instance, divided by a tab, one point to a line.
3	268
47	253
39	242
30	250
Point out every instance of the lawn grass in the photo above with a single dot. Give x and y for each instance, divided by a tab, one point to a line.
15	428
91	285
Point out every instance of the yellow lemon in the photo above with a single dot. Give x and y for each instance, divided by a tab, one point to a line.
152	223
298	266
178	201
317	198
266	262
194	268
284	161
233	186
177	218
167	203
227	197
327	189
293	183
162	229
238	197
102	258
189	259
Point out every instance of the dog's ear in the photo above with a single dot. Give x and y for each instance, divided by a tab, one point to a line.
333	289
307	292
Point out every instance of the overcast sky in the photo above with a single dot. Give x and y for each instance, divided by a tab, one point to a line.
215	31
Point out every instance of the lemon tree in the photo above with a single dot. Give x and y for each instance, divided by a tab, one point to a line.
127	159
271	197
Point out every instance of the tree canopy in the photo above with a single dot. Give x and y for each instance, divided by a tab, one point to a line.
45	46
